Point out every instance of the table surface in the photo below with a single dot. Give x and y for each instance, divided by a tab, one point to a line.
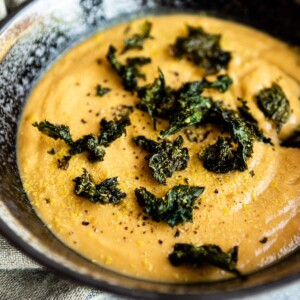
22	278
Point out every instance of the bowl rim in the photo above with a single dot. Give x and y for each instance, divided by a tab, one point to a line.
64	272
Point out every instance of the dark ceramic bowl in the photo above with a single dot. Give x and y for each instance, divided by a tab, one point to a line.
36	35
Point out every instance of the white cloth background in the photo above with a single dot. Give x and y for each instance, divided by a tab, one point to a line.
23	279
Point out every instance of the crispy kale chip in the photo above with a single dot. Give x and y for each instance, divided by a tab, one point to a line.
251	122
175	207
192	107
112	130
203	49
194	111
88	143
137	40
240	134
182	107
274	104
230	153
219	157
104	192
138	61
293	141
55	131
152	97
222	84
164	158
101	91
130	72
198	256
93	145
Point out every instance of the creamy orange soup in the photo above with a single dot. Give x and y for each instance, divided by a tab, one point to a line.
237	208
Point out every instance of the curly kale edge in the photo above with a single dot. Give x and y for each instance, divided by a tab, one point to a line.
93	145
104	192
164	158
210	254
176	207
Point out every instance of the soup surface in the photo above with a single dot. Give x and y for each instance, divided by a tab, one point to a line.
256	209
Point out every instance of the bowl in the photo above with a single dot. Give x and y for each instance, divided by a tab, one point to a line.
39	33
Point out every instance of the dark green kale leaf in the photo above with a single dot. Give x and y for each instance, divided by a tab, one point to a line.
55	131
88	143
112	130
293	141
219	157
149	94
101	91
203	49
137	40
104	192
64	162
147	144
274	104
164	158
240	133
175	207
189	254
130	72
222	84
251	122
193	111
183	107
230	153
138	61
155	98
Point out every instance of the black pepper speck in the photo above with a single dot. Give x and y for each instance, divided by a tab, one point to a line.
263	240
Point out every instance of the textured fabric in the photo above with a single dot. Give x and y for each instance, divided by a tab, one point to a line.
11	258
40	284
